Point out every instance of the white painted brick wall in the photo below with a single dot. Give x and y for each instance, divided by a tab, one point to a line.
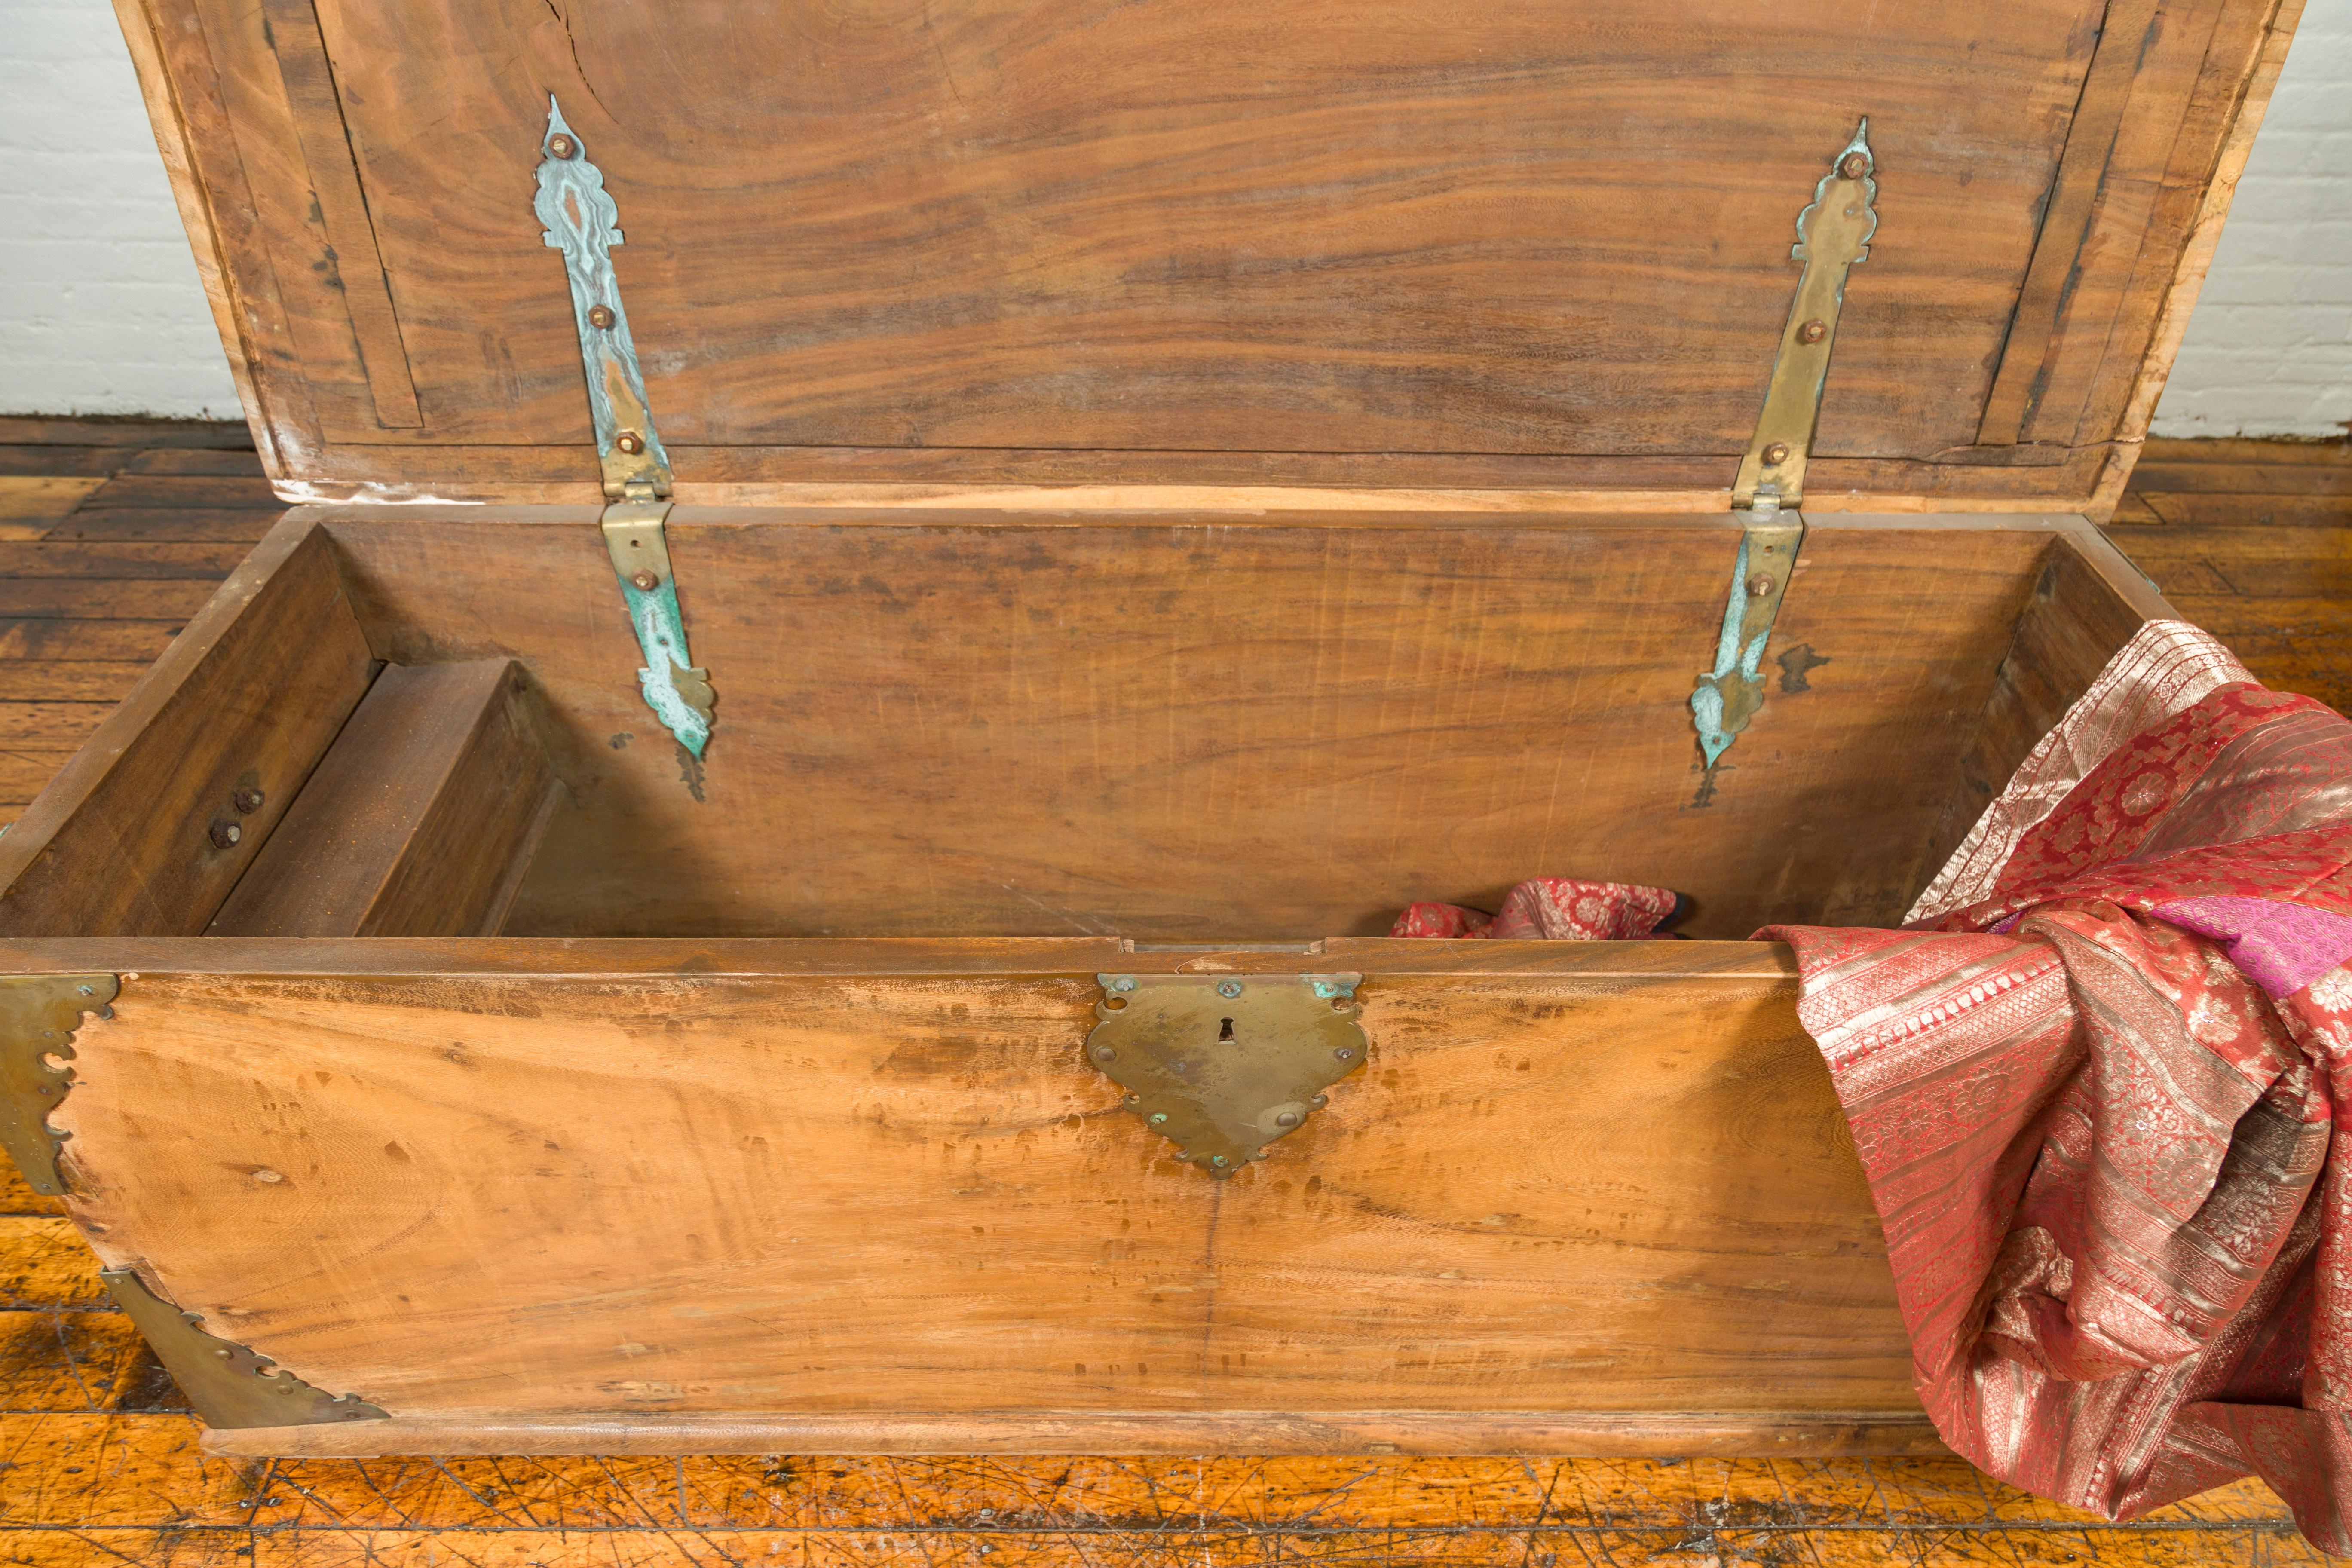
100	311
2269	352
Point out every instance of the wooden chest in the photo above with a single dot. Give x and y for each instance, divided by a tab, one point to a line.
677	924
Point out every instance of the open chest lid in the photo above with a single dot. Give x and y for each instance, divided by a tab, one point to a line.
880	249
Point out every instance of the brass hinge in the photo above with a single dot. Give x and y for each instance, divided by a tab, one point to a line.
1833	233
228	1384
39	1016
1223	1065
584	223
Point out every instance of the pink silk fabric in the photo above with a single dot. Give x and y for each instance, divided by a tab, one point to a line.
1549	906
2097	1102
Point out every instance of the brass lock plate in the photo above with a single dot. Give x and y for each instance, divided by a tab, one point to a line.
1222	1065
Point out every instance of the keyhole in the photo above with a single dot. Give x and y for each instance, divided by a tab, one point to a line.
1225	1030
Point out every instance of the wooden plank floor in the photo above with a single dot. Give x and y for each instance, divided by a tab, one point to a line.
111	534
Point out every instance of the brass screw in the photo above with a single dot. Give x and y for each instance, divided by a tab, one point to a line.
224	834
601	316
1761	587
1854	166
1345	1054
247	801
1217	1159
1776	454
561	146
629	441
1813	331
1287	1118
1124	982
1105	1054
1158	1117
646	582
1320	1101
1229	988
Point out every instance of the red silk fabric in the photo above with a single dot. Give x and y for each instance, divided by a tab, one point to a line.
2098	1110
1549	906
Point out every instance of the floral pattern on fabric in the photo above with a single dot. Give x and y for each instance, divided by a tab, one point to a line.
1554	908
2098	1110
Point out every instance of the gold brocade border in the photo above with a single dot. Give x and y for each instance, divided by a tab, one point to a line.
2167	667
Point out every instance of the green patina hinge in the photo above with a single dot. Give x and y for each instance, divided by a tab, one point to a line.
1833	233
1223	1065
228	1384
584	223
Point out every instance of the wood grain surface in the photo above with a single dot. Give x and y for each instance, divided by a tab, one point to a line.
128	839
103	1464
522	1196
420	820
1529	245
1209	729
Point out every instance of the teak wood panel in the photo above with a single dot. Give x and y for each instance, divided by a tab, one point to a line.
2088	602
534	1196
1215	240
419	821
246	698
1204	730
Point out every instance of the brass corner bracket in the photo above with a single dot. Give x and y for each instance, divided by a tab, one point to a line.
228	1384
1223	1065
39	1016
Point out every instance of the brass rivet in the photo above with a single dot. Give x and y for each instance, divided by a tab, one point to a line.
1320	1101
646	582
1761	587
601	316
1158	1117
1217	1159
247	800
1229	988
1124	982
629	441
1345	1054
561	146
1813	332
1287	1118
1105	1054
1776	454
89	990
226	833
1854	166
223	1354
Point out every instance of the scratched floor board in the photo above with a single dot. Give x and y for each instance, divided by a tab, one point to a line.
98	1461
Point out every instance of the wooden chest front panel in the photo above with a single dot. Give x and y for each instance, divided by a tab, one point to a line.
846	1199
